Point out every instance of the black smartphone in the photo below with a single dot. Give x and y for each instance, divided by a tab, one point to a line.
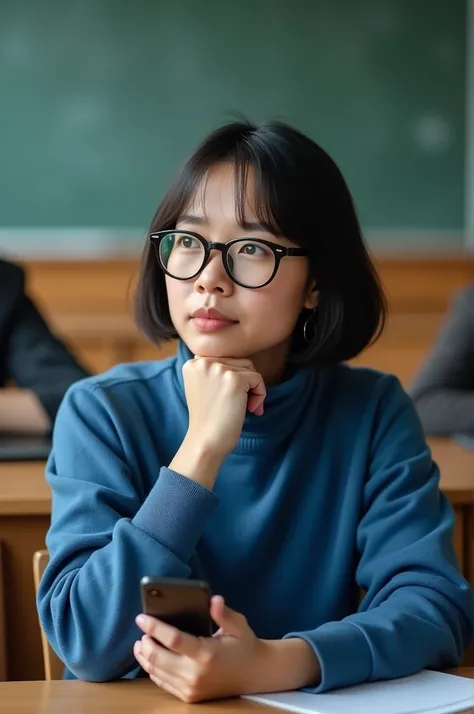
182	603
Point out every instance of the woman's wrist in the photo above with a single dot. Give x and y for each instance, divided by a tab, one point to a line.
287	665
197	462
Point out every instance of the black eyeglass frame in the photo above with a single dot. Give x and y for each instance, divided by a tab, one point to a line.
278	251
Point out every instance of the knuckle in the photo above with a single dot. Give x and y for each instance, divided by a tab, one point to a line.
208	657
174	639
146	665
190	695
231	378
217	368
193	681
151	658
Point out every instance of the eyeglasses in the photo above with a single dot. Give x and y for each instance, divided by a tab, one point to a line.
249	262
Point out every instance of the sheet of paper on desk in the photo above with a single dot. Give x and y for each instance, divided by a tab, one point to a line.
433	692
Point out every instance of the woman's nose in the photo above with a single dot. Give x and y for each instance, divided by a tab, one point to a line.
213	277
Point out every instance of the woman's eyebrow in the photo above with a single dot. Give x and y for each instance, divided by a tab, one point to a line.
190	218
254	226
202	220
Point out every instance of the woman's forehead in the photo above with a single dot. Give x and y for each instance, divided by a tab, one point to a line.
221	193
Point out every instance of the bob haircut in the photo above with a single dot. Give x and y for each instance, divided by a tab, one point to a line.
299	194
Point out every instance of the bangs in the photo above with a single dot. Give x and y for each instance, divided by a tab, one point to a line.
252	159
252	190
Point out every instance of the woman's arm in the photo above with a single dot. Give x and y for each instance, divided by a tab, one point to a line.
443	392
418	611
106	534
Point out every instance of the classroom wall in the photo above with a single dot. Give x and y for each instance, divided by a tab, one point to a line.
102	100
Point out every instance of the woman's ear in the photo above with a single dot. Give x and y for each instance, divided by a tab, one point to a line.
312	296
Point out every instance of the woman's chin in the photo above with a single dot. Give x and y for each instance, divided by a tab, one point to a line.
214	347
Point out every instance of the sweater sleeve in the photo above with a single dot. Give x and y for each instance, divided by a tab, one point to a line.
418	611
444	390
105	535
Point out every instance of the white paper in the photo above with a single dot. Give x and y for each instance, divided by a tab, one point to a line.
433	692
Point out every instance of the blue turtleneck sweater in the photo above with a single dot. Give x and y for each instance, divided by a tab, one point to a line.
332	490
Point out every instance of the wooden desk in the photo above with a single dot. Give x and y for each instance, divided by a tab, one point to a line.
139	696
25	507
456	465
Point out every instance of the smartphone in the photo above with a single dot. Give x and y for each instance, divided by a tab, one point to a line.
182	603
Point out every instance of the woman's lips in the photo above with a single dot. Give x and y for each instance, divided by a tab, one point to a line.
211	324
209	319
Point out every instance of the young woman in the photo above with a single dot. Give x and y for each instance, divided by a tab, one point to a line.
255	459
40	366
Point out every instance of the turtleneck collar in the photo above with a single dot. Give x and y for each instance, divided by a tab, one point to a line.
284	406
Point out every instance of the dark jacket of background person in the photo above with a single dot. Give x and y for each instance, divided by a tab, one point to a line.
443	391
30	355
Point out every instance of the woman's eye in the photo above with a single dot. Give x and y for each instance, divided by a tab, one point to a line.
252	249
188	242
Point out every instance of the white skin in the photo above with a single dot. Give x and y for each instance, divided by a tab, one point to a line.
227	378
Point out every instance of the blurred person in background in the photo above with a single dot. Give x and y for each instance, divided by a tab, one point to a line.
443	391
37	363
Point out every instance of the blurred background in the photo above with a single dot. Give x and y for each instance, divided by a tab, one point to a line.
101	100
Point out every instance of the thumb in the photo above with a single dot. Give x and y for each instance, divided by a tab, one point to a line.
230	623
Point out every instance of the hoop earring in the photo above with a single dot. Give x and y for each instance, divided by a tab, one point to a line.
309	328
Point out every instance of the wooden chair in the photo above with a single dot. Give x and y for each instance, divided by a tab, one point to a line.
53	667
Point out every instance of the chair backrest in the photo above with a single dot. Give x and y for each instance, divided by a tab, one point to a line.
53	667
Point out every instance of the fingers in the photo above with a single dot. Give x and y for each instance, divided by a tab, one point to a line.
251	379
154	658
229	621
257	392
162	667
173	639
168	686
217	608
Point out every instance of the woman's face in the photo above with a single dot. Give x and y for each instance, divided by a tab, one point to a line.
257	323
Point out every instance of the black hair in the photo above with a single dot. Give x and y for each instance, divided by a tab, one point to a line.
299	194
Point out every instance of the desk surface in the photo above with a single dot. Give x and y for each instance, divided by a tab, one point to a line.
139	696
456	465
23	489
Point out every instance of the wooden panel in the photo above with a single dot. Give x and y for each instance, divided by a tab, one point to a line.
424	284
3	622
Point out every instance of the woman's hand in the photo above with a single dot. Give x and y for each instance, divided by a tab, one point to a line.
195	669
218	393
231	663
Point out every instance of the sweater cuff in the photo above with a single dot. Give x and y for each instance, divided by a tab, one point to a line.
343	654
175	512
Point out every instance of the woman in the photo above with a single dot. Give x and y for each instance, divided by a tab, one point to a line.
254	459
37	363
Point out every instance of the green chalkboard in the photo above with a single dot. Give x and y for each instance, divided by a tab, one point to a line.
101	99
